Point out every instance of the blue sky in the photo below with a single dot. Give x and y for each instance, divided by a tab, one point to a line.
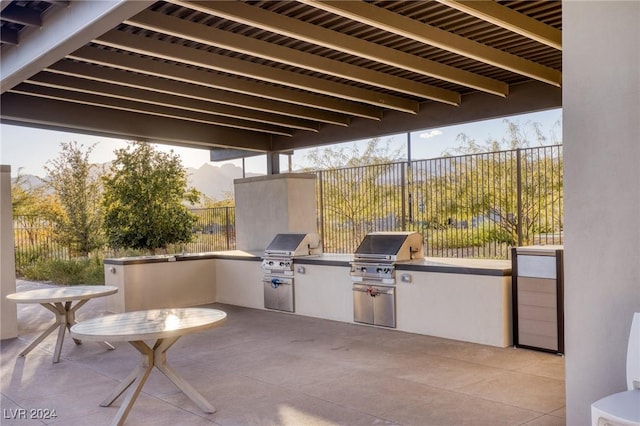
30	148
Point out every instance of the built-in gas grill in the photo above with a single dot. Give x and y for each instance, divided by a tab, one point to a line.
373	273
278	267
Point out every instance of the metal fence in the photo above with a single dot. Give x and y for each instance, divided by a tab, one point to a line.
475	205
215	229
35	240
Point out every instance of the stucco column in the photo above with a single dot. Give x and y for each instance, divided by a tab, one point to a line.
601	136
9	323
273	204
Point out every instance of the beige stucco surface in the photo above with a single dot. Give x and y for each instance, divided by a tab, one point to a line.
471	308
160	285
9	322
467	307
239	282
273	204
601	136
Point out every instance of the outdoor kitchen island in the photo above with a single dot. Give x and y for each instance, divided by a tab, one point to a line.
460	299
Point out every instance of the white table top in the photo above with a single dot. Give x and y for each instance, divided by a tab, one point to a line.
62	294
148	325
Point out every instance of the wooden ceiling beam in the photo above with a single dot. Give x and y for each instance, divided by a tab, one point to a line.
18	109
148	66
504	17
201	58
138	107
116	91
192	90
9	35
386	20
21	15
276	23
170	25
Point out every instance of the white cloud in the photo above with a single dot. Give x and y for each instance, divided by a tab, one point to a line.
430	134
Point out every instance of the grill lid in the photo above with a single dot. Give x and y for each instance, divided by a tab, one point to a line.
390	246
294	244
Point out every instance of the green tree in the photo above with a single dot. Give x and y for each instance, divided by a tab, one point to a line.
358	190
77	187
480	184
144	200
33	211
373	152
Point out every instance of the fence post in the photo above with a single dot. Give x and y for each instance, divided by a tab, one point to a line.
403	190
519	194
409	179
227	227
321	204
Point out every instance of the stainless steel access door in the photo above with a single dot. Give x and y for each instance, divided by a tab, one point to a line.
374	305
278	293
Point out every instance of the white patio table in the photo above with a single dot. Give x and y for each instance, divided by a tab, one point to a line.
165	326
59	300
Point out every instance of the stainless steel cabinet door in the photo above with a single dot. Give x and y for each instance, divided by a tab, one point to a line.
278	293
374	305
362	304
384	307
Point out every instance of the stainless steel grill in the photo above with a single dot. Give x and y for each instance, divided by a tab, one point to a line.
373	273
278	267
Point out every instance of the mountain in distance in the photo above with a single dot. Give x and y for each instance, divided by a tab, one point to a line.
30	181
215	181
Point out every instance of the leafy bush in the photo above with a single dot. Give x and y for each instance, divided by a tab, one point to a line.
67	272
453	238
501	236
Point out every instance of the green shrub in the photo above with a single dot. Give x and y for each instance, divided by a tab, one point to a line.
454	238
67	272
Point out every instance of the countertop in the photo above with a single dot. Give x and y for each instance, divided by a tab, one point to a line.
493	267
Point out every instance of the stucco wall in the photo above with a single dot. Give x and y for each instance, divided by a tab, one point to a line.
601	126
171	284
272	204
9	327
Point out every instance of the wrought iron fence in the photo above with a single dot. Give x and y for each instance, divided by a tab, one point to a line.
355	201
34	237
34	240
215	230
475	205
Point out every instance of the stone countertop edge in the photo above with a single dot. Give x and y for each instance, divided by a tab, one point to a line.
138	260
328	259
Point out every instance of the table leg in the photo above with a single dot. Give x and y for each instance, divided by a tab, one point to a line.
35	343
123	385
71	319
65	319
137	379
155	357
71	316
62	321
160	361
61	317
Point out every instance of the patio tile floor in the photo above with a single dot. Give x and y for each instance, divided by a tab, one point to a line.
272	368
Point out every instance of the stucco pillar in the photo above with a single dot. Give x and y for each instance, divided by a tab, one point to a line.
272	204
601	137
9	323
